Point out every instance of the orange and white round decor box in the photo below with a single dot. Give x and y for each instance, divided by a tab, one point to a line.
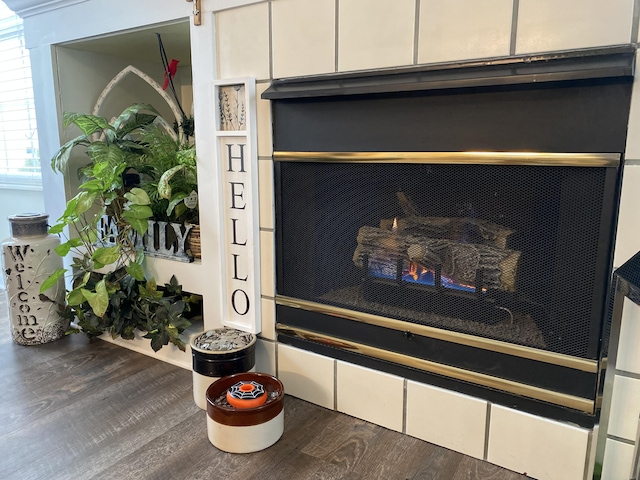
245	412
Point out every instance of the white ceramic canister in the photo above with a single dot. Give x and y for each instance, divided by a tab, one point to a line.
28	259
217	353
245	430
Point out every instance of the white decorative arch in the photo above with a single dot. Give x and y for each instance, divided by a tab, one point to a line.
130	69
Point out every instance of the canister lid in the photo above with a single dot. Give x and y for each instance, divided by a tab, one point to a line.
28	224
223	340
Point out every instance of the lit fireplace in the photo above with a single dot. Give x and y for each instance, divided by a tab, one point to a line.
455	234
437	257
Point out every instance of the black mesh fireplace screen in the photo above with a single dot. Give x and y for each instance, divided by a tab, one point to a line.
518	253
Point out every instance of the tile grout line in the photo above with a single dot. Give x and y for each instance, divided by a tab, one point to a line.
635	19
404	407
270	40
621	439
276	365
627	374
335	384
514	27
416	33
336	35
487	425
588	458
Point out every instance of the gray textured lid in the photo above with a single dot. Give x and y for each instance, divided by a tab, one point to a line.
223	340
28	224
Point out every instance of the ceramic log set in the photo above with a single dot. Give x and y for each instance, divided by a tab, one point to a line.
217	353
245	429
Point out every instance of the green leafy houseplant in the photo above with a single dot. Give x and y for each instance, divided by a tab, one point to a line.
169	176
109	290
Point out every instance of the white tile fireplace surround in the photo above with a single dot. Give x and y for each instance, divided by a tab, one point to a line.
497	430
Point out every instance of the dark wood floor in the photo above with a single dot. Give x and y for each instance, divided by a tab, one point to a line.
78	410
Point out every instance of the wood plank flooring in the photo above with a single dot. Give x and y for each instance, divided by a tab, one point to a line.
78	410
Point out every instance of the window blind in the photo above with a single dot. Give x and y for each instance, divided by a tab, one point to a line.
19	155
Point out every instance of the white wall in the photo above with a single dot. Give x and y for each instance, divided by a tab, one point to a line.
18	200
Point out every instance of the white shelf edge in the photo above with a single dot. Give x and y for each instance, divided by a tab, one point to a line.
189	274
169	353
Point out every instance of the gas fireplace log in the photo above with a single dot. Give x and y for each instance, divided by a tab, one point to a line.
406	204
470	230
458	261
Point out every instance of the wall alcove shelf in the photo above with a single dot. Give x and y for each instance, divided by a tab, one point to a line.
83	68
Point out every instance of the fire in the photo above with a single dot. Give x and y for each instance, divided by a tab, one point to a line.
394	227
417	273
413	271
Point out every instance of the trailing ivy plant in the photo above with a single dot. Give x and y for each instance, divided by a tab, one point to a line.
109	291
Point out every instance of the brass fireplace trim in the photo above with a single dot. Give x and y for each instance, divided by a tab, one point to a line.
516	388
553	358
455	158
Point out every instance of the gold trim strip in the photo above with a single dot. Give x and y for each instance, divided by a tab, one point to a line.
480	158
576	363
529	391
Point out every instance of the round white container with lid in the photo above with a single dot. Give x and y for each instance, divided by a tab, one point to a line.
217	353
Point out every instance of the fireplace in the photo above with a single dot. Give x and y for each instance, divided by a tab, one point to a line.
456	225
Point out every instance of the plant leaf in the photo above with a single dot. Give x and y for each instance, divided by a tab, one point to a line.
151	286
75	297
103	152
85	201
69	211
158	341
130	111
137	196
60	159
136	271
75	242
106	255
89	124
180	344
98	300
175	201
92	185
63	249
53	279
164	189
137	211
138	224
179	210
98	169
56	229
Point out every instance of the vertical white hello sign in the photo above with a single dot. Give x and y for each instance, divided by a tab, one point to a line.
237	153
